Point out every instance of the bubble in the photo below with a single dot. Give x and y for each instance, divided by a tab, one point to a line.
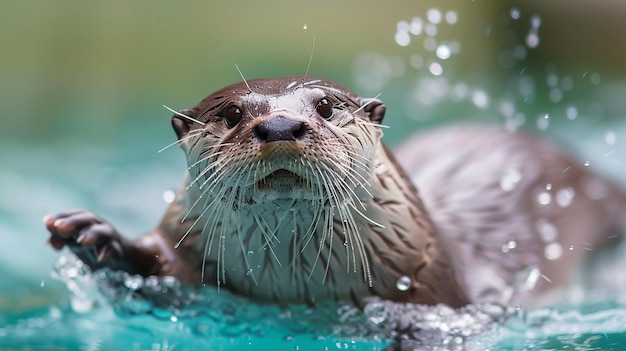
169	196
510	179
443	52
587	163
571	248
250	252
571	112
452	17
544	198
402	38
403	283
249	272
416	26
532	39
435	69
42	283
305	27
610	138
549	186
515	13
434	16
565	197
553	251
480	99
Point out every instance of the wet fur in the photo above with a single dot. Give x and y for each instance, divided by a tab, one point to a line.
352	223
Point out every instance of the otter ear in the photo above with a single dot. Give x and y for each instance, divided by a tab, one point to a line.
181	124
375	108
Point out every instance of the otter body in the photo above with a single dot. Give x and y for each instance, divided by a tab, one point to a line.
290	196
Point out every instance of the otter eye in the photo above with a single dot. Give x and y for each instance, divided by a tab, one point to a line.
232	116
324	108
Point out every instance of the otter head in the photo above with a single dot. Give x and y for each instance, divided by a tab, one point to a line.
287	138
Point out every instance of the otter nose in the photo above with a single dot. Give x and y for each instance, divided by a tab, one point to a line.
279	129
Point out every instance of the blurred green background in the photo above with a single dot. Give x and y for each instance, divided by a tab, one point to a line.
82	84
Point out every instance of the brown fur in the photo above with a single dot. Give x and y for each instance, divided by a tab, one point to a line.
282	203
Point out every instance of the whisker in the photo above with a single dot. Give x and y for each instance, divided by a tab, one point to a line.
367	103
184	116
308	67
190	135
243	78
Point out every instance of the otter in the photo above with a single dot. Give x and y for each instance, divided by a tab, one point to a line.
291	196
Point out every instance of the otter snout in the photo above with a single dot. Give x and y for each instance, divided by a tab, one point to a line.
279	129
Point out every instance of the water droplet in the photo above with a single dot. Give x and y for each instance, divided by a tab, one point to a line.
133	282
547	231
553	251
510	179
403	38
567	83
42	283
610	138
594	78
552	80
403	283
443	52
544	198
509	246
532	39
452	17
586	163
250	252
416	61
249	272
571	248
549	186
556	95
434	16
565	197
435	69
571	113
480	99
515	13
543	122
527	278
169	196
416	26
535	21
403	26
430	29
430	44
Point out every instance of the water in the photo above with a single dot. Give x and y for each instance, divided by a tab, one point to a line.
78	310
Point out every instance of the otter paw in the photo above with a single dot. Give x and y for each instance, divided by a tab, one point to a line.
90	237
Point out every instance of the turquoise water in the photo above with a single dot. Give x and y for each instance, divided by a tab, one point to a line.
48	302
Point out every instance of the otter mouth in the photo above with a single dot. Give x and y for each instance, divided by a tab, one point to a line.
280	179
